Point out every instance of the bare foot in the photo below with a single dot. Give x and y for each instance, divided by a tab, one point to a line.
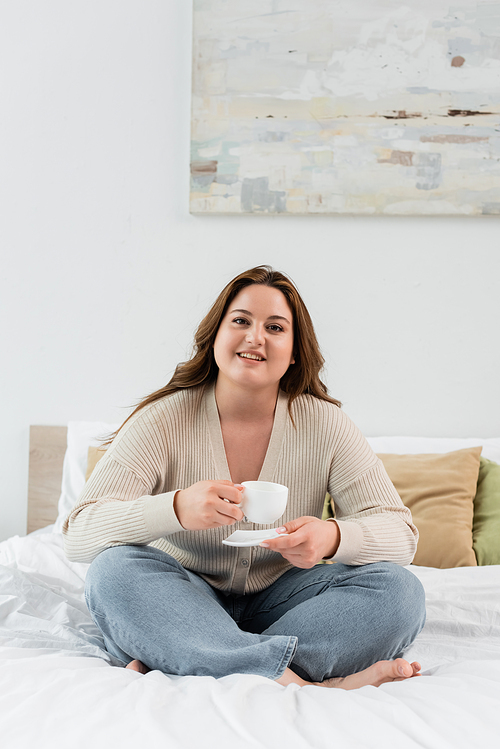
380	673
139	667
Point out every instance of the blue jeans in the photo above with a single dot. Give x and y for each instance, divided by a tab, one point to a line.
331	620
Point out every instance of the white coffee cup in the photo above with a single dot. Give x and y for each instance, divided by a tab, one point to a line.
263	502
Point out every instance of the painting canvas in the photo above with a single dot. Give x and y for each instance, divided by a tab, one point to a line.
346	106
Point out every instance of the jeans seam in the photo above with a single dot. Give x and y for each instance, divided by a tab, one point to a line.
287	657
91	609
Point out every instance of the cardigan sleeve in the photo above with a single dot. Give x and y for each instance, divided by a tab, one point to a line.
123	502
374	524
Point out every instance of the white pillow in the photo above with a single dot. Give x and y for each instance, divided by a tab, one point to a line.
81	435
416	445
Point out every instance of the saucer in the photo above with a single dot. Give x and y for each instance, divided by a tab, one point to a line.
251	538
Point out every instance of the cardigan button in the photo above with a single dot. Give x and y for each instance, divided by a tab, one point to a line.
244	562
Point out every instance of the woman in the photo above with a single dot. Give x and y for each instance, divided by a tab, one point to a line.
163	589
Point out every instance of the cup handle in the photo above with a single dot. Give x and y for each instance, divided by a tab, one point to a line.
231	503
245	519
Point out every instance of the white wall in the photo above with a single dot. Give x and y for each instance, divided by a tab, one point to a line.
104	274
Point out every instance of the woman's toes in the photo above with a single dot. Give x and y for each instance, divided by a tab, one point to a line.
404	669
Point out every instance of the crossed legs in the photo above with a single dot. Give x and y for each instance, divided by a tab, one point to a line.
335	625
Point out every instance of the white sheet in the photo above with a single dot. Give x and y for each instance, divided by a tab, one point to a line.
58	687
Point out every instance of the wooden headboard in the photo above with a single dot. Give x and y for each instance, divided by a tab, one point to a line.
47	449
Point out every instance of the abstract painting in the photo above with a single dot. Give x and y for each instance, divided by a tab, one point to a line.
346	106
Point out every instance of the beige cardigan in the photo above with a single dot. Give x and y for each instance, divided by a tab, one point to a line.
177	441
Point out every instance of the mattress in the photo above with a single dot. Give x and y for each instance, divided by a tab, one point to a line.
59	687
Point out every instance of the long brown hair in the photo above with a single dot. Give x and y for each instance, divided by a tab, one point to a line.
201	369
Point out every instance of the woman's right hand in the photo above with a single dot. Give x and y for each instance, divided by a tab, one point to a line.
208	504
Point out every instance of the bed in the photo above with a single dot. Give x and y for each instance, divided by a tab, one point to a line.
59	687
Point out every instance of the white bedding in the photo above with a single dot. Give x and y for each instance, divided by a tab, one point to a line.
58	688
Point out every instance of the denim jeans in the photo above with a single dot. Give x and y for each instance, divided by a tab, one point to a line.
331	620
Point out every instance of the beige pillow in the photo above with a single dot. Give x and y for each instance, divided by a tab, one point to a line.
439	490
93	457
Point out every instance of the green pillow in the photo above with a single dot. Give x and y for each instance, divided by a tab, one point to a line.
486	525
327	508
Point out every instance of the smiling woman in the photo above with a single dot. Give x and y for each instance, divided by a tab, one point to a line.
165	590
254	345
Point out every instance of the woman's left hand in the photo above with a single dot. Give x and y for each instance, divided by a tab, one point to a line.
309	540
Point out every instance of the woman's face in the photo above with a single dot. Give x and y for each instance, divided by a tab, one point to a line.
254	344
